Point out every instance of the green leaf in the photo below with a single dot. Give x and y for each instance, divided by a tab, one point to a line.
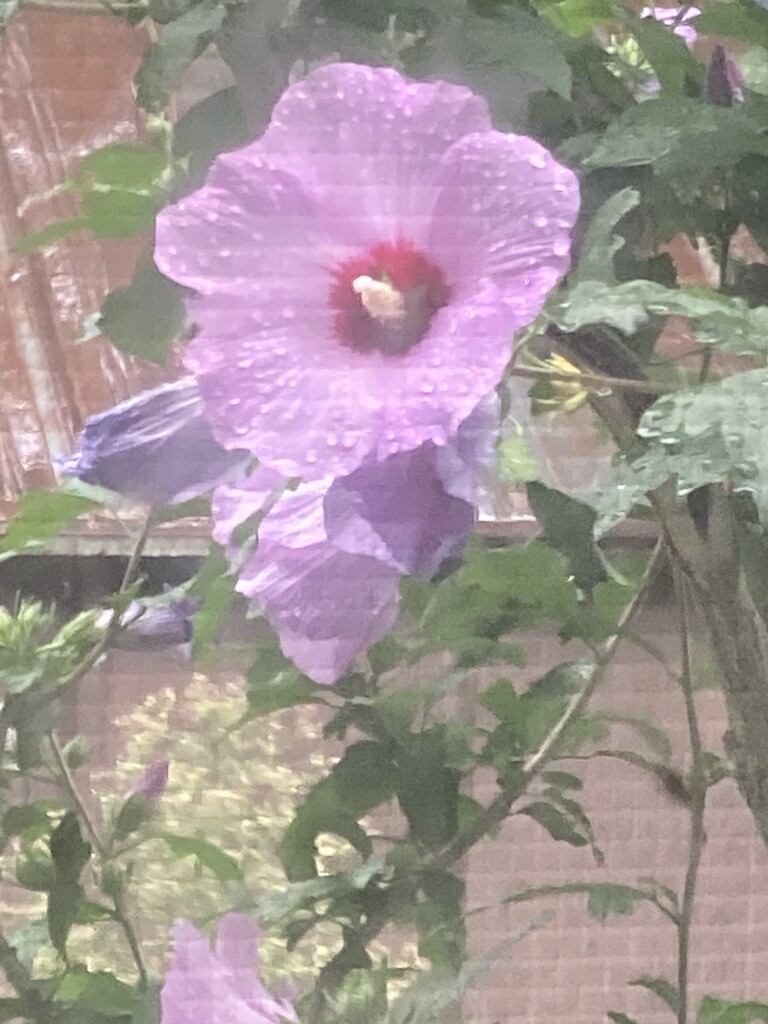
180	42
620	1018
747	22
25	818
722	1011
97	990
725	322
11	1009
70	854
601	242
701	435
428	1000
69	851
42	516
578	17
148	1009
207	854
270	691
440	922
146	317
126	166
503	701
520	44
655	737
428	789
675	66
117	214
49	234
216	586
606	900
680	137
559	825
215	125
563	780
568	525
662	988
363	779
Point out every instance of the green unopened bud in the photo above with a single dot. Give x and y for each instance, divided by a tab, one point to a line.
75	753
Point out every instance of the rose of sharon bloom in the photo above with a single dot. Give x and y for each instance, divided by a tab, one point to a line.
327	566
155	447
220	985
153	627
361	268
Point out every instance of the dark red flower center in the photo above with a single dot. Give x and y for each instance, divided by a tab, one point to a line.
386	298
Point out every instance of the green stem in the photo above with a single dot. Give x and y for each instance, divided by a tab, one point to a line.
697	787
591	380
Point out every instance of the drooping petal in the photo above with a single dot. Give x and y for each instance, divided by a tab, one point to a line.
155	627
238	943
155	447
327	606
400	513
245	495
217	987
471	454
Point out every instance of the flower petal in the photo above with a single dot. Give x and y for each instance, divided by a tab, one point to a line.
327	606
504	213
155	447
400	513
238	941
379	135
236	501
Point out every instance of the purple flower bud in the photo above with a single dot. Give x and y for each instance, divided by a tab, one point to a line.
141	802
725	84
153	782
156	627
156	447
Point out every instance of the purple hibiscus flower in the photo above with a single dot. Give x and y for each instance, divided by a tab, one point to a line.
361	268
220	985
155	447
330	554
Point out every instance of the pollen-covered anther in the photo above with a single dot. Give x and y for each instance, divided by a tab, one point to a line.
380	300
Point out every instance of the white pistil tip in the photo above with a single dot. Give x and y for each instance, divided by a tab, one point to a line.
381	300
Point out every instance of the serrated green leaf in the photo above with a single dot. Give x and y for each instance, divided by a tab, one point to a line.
578	17
723	321
698	436
146	317
26	817
503	701
216	586
678	137
512	39
607	899
207	854
427	789
180	42
118	214
42	516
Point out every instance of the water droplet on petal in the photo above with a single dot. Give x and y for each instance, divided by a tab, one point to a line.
331	440
537	160
348	440
540	221
311	457
427	387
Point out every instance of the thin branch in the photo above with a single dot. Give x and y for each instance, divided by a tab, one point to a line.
101	847
591	380
698	797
